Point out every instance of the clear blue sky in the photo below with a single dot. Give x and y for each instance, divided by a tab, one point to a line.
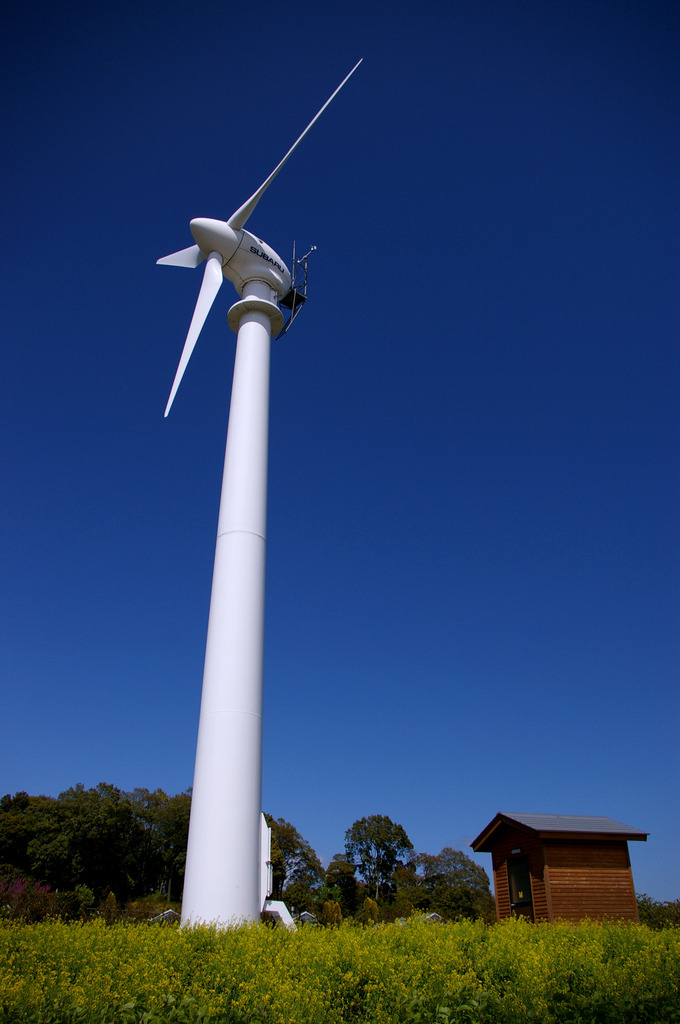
472	599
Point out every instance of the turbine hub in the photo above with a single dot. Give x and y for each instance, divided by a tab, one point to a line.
215	236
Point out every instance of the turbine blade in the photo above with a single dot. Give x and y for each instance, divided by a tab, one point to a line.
238	219
212	282
190	257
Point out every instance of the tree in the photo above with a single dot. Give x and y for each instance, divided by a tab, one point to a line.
450	883
296	869
299	896
164	825
375	845
91	837
173	827
48	846
102	838
147	808
340	884
658	915
21	816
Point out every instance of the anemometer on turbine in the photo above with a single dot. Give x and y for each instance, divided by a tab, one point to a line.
297	295
228	876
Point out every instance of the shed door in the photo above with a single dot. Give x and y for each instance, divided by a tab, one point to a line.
519	881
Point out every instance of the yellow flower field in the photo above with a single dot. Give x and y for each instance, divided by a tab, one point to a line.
55	972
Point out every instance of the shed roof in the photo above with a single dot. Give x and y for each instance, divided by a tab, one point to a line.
553	826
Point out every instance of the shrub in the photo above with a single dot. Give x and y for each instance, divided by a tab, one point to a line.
331	914
370	912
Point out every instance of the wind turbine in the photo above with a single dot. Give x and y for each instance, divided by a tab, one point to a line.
226	878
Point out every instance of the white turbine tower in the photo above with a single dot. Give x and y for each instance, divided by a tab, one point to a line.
225	880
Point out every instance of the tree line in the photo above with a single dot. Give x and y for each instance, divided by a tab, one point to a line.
94	842
92	846
102	849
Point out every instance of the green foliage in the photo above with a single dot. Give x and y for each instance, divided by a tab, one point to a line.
109	909
330	915
168	1010
22	819
370	912
297	870
450	884
658	915
88	838
399	907
341	884
375	845
410	973
100	839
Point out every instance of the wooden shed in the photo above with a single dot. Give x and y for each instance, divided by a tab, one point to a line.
551	867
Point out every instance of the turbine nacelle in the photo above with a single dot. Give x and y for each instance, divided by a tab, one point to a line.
244	256
254	260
